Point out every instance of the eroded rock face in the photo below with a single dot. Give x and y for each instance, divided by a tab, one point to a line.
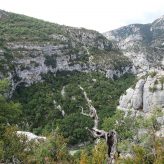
26	56
31	61
147	94
34	60
137	99
143	44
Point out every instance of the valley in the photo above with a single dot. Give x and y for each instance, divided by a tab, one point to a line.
42	65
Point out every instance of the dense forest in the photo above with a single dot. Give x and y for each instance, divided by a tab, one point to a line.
42	115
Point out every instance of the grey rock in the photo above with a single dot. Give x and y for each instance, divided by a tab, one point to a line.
125	100
137	100
30	136
160	120
146	96
160	133
3	14
33	60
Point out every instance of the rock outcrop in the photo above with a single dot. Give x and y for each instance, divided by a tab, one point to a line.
3	14
30	136
147	94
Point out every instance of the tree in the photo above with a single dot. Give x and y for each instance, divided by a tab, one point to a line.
9	111
134	139
9	114
76	132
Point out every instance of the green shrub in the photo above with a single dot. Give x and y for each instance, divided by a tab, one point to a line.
153	73
53	150
161	81
152	89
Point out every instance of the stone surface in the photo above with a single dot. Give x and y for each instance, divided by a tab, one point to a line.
30	136
147	94
160	133
137	100
31	61
160	120
3	14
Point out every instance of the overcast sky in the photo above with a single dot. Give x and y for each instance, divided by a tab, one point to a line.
100	15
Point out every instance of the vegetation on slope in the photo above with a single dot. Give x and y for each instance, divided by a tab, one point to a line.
41	115
37	101
26	31
22	28
9	111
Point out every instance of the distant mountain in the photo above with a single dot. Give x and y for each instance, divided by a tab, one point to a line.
143	44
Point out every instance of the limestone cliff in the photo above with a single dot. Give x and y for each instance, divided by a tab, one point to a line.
143	44
30	48
147	94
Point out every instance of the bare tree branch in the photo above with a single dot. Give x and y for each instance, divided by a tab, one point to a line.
110	137
92	110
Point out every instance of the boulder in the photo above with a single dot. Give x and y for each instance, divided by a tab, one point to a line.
30	136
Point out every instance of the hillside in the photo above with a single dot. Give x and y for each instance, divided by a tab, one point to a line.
141	43
31	47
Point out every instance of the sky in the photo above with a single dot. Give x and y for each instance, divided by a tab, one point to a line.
99	15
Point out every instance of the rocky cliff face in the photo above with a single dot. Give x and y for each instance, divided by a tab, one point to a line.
147	94
142	44
146	99
31	47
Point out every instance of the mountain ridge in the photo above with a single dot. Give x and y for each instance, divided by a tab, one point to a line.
31	47
142	43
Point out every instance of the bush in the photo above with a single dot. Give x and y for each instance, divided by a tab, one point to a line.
152	89
14	147
153	73
53	150
162	82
